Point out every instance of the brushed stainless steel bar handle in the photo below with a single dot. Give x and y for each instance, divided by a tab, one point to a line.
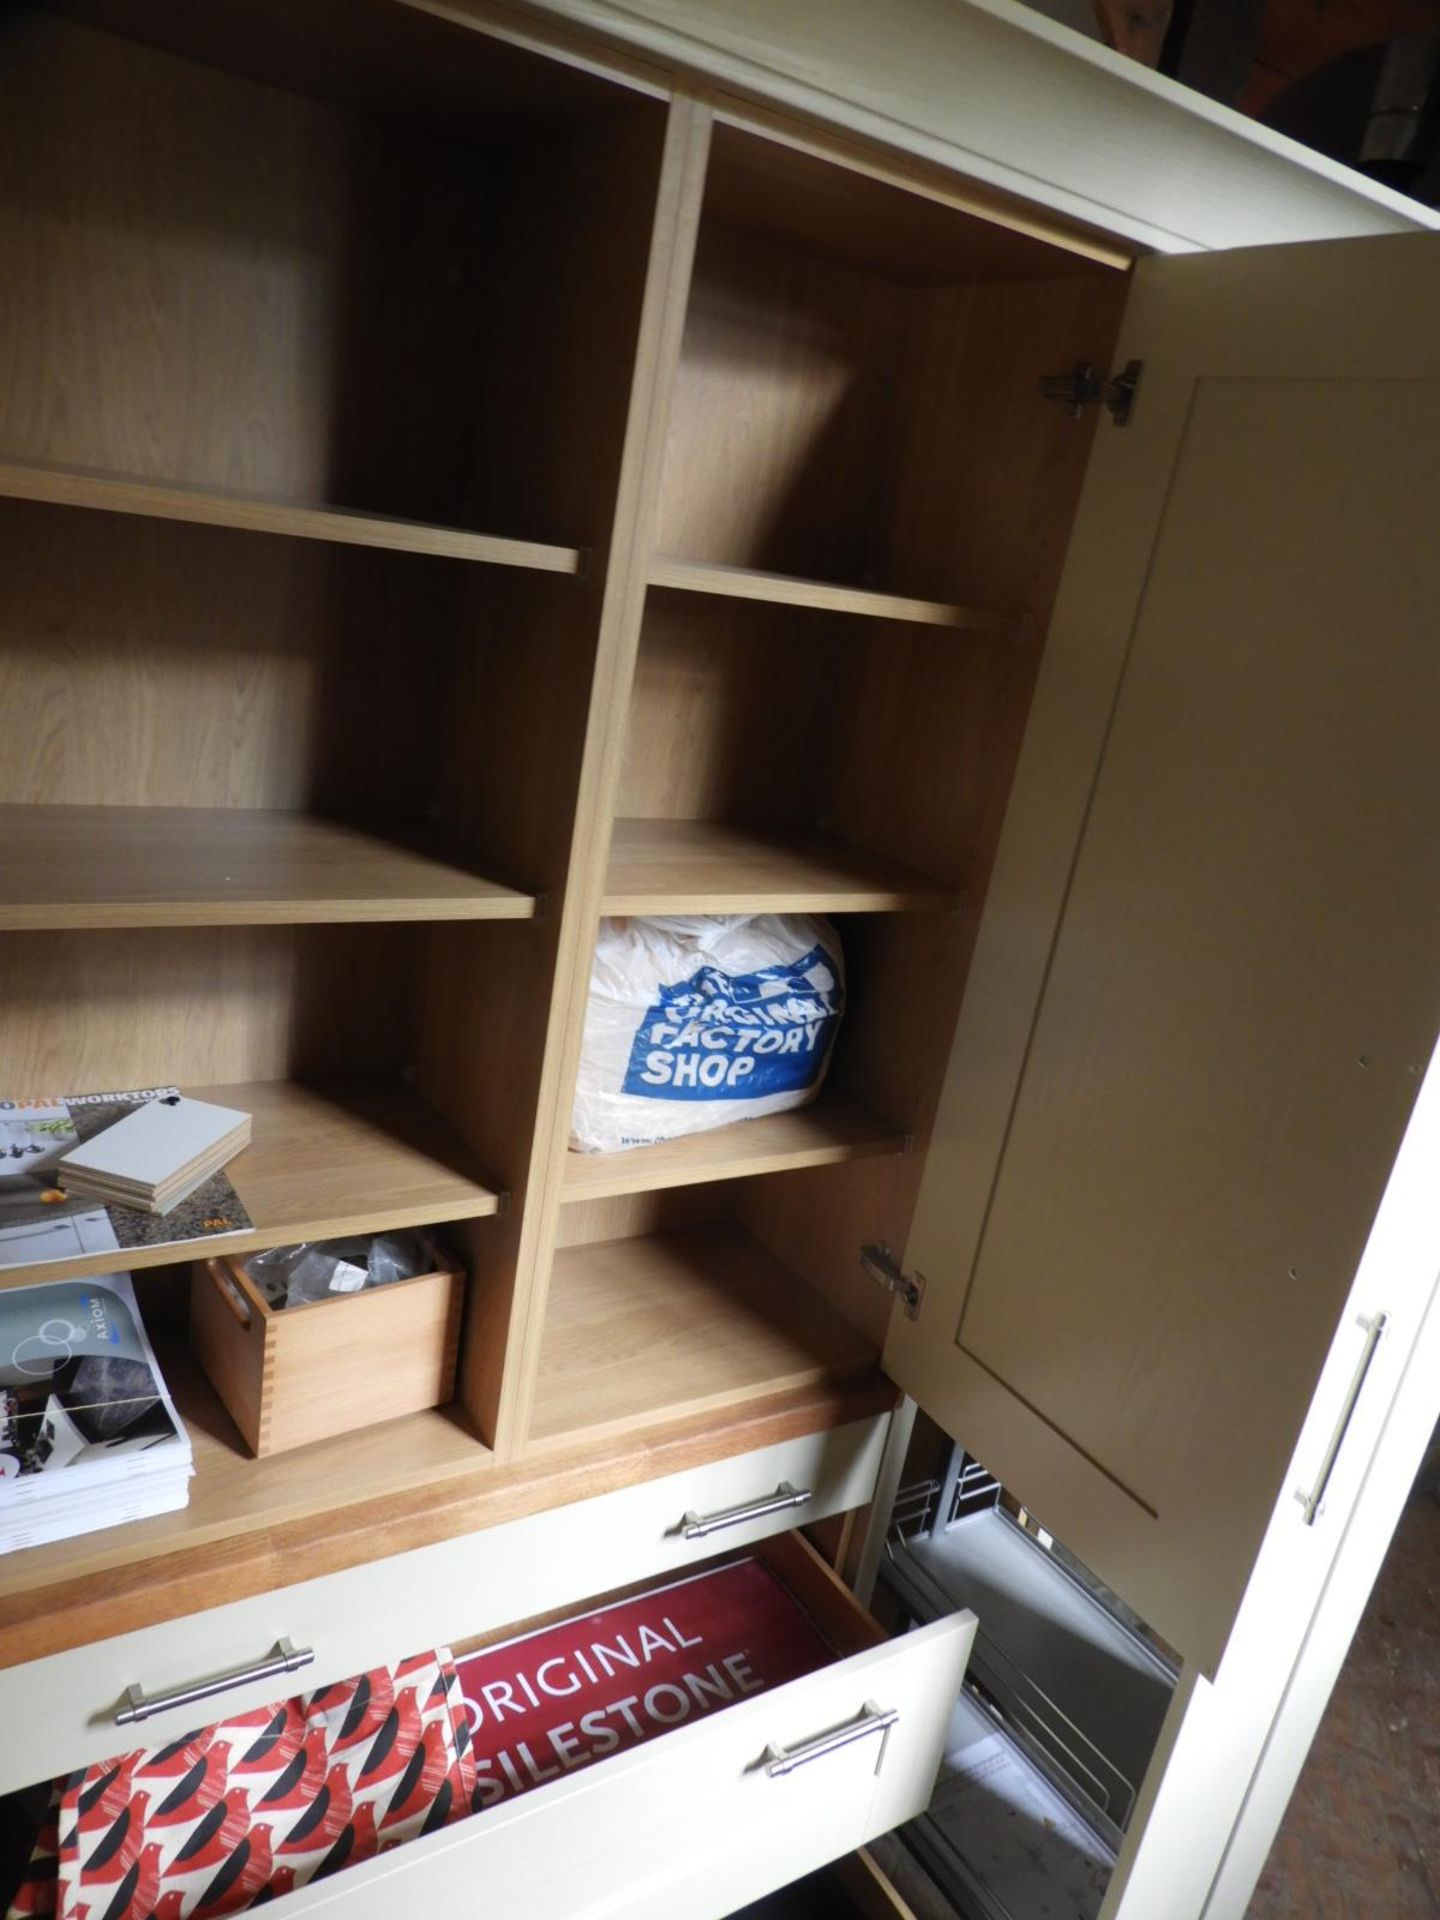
1312	1501
870	1720
695	1526
139	1705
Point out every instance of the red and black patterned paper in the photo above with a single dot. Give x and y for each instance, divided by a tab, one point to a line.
241	1812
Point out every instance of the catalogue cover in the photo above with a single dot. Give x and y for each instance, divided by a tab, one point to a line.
89	1435
41	1222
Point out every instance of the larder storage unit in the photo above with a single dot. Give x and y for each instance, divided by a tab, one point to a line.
458	481
1062	1709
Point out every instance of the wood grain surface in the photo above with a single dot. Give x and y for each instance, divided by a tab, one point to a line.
209	867
320	1165
254	1525
831	1129
781	589
260	513
674	1324
698	866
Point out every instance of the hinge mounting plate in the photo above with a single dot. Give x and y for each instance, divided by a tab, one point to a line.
885	1270
1082	387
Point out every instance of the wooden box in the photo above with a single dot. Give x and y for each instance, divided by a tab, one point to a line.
289	1375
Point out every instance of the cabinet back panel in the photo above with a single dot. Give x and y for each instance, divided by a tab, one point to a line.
145	663
734	712
81	1012
988	472
566	251
902	1000
835	422
217	281
926	747
816	1221
888	735
900	1009
851	214
627	1215
782	429
924	737
371	55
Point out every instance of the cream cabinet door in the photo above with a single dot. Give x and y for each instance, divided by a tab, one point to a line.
1206	979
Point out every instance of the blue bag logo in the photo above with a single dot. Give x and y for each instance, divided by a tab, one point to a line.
741	1036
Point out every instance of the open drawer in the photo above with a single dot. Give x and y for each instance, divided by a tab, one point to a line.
60	1712
711	1815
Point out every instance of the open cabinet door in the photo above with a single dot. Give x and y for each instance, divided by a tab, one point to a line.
1206	980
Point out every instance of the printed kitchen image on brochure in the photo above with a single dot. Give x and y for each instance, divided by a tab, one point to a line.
40	1222
83	1404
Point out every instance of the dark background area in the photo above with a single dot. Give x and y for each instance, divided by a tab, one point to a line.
1358	80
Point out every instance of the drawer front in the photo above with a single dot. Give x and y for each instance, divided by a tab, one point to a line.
695	1824
59	1712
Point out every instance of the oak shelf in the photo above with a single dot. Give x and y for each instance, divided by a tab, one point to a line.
786	590
665	1326
830	1130
66	486
321	1163
701	866
334	1504
76	867
233	1494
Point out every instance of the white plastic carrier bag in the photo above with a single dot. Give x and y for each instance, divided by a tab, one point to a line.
694	1022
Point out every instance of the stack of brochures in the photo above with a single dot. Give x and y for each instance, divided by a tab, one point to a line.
89	1435
100	1173
156	1155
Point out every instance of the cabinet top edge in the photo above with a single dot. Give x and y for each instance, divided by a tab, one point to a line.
1003	98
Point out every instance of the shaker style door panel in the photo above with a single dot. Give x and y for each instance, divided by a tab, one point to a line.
1207	983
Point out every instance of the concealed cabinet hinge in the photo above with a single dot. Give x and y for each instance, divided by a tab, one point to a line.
885	1270
1082	387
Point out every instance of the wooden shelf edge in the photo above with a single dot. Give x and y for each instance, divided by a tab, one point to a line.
118	916
720	1318
829	1131
371	1133
64	486
41	1616
788	590
73	868
336	1226
612	1432
660	901
661	866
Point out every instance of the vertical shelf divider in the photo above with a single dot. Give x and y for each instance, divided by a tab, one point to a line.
626	568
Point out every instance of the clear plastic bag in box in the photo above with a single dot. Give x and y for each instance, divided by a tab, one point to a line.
328	1269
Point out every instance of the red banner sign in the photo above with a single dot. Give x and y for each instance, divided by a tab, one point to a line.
553	1701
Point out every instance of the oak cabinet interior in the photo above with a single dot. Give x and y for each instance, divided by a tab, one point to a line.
287	264
388	304
440	504
450	491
